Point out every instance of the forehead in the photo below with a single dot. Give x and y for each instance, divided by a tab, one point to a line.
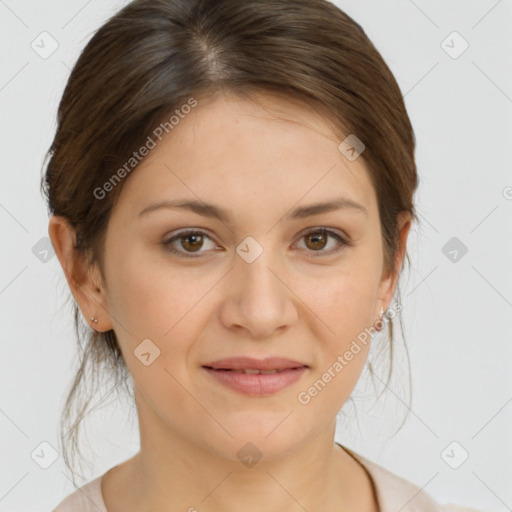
272	152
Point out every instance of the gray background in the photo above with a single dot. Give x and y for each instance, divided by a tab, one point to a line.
457	315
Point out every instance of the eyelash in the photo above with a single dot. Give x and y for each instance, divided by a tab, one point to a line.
343	242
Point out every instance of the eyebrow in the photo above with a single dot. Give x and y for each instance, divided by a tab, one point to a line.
213	211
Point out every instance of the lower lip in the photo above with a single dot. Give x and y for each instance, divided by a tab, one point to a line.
257	384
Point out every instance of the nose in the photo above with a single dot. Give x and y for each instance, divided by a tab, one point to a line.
259	299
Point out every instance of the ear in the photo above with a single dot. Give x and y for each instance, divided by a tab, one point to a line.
83	279
389	281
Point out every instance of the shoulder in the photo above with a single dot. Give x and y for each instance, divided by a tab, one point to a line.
396	493
87	498
451	507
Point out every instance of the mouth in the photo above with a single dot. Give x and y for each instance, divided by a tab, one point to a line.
252	365
256	377
252	371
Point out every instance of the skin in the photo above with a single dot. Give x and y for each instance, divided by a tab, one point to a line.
259	161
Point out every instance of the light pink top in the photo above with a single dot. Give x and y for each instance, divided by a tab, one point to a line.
393	493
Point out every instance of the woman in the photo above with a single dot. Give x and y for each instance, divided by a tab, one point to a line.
231	187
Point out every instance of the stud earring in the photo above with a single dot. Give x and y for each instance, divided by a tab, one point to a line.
381	315
94	319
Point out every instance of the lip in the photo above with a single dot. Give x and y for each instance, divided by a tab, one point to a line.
256	384
228	372
250	363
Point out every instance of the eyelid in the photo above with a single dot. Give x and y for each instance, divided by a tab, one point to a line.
167	244
342	238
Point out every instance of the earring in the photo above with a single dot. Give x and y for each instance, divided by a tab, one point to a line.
381	315
94	319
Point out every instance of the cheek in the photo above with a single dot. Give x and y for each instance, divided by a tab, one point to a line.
344	302
155	301
146	295
344	308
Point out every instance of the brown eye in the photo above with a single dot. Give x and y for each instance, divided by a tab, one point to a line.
190	242
317	240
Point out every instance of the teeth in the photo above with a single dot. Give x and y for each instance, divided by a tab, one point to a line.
260	371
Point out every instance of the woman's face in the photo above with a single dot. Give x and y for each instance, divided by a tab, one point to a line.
261	282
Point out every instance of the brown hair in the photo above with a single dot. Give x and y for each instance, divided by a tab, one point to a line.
153	56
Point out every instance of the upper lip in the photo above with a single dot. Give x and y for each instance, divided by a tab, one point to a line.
249	363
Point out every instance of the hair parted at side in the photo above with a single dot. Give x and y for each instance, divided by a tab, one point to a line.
150	58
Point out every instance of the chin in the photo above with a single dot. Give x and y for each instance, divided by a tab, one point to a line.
264	439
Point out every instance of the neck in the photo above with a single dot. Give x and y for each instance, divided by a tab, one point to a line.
172	470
